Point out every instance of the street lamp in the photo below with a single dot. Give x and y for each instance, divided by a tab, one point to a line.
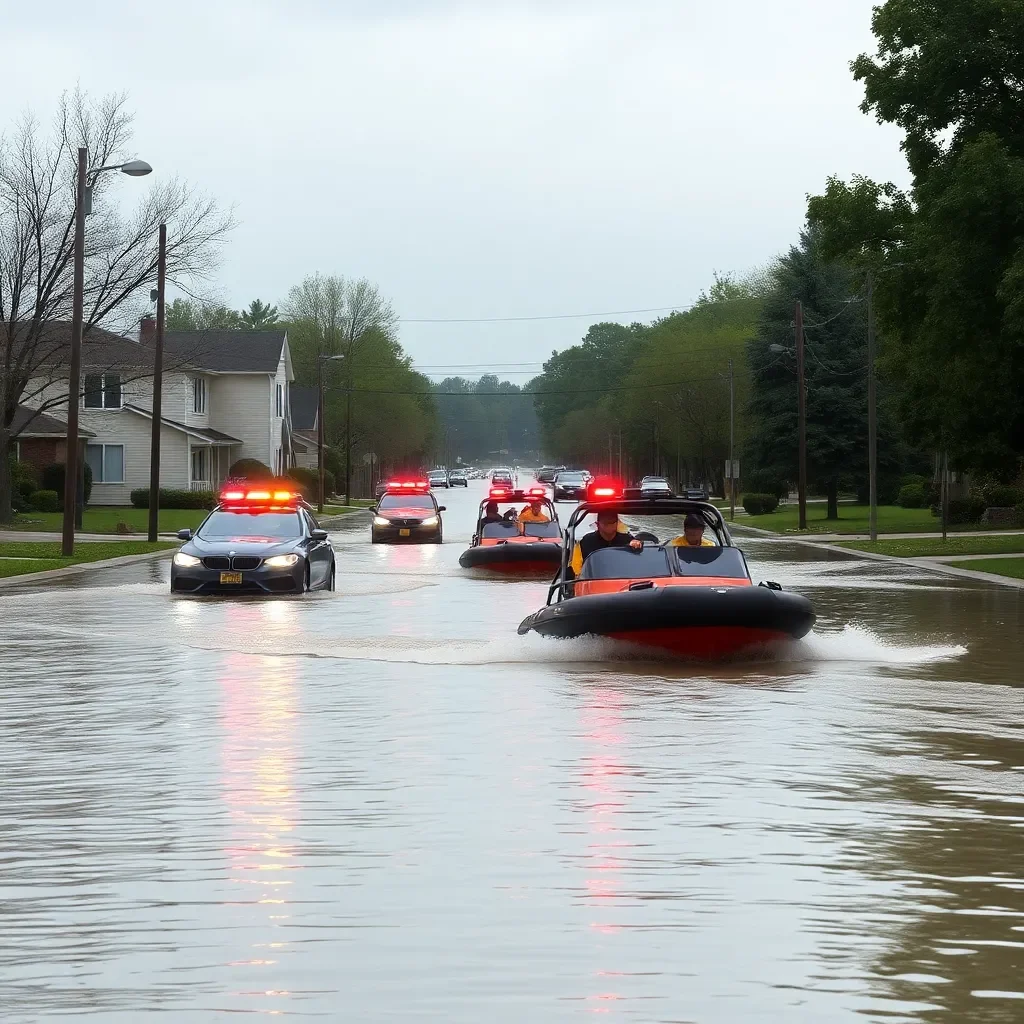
320	360
83	206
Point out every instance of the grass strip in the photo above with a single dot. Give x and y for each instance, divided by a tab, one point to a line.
1012	567
922	547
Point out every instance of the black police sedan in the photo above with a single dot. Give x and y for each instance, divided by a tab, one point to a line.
569	486
407	512
255	542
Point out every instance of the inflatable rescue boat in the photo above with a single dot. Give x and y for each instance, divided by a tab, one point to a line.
692	602
509	546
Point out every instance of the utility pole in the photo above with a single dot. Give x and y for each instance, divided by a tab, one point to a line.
158	383
944	494
732	441
801	407
872	417
75	371
320	432
348	439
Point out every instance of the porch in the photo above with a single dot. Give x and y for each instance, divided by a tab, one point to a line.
208	464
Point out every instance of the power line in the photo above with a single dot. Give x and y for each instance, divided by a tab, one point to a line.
681	307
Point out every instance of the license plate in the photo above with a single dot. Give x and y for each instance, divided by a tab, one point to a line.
404	533
231	577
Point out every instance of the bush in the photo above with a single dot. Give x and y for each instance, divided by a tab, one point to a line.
763	481
962	511
170	498
913	496
759	504
250	469
45	501
308	481
1018	515
1002	496
52	479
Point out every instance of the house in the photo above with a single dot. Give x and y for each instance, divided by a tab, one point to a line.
39	439
225	397
305	425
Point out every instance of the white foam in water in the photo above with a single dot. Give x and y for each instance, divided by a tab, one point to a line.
856	643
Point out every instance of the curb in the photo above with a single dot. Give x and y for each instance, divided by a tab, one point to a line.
76	570
918	563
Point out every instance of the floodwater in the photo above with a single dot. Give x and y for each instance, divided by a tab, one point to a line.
384	805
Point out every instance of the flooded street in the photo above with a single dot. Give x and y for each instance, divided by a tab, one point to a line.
384	805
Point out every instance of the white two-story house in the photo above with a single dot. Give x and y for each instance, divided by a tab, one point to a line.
225	397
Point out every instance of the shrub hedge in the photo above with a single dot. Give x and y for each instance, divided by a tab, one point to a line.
759	504
170	498
913	496
45	501
52	479
250	469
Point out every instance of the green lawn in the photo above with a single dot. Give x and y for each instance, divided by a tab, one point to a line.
923	546
852	519
1013	567
18	558
105	520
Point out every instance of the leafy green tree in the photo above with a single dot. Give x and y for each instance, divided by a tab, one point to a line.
835	368
949	254
193	315
259	316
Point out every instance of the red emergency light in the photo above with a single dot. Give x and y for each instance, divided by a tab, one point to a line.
538	492
408	485
258	496
499	492
604	489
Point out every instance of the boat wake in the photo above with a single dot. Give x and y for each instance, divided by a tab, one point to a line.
856	643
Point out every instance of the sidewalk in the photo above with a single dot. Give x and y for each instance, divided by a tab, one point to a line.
7	536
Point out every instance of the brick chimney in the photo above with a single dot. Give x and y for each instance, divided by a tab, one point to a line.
147	329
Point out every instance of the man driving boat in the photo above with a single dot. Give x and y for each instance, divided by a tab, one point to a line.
607	535
534	512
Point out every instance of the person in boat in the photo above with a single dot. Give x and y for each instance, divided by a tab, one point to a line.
607	535
492	515
693	534
534	513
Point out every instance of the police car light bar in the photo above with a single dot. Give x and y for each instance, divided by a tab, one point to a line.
404	485
499	492
257	497
538	492
604	489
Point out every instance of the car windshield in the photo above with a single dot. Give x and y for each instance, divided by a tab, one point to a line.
570	478
500	531
435	476
418	501
230	525
625	564
728	563
541	530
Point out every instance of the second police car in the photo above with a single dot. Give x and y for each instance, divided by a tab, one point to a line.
259	539
407	511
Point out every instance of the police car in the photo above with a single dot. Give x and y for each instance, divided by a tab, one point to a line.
407	511
258	540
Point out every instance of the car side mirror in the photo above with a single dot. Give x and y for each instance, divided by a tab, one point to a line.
184	535
442	508
319	535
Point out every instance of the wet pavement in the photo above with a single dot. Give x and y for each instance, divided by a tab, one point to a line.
384	805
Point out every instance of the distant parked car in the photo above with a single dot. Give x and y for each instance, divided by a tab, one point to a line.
655	487
438	478
570	486
696	494
457	478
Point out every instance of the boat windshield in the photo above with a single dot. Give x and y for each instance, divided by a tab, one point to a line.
726	563
541	530
500	531
625	564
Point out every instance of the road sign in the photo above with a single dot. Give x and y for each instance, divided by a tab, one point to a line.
369	458
732	470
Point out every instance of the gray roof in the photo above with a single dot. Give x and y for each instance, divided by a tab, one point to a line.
207	434
227	350
50	346
303	402
28	423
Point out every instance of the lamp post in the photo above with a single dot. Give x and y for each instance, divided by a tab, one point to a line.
320	360
83	206
158	378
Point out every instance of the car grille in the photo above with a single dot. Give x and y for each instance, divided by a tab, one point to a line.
217	562
404	523
245	562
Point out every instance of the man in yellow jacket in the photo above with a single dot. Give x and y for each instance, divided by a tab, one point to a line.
534	512
693	534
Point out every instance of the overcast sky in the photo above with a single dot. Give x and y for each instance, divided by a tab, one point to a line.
487	158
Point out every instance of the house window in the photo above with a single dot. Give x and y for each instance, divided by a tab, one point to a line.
106	462
279	405
199	464
103	391
199	395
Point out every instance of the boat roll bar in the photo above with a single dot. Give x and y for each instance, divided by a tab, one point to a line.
631	502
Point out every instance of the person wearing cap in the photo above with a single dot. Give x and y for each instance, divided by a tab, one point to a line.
534	512
607	535
693	534
492	515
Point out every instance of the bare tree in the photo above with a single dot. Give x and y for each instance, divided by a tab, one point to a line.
341	315
37	217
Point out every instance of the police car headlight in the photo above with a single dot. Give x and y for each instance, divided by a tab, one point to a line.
184	561
381	521
432	521
281	561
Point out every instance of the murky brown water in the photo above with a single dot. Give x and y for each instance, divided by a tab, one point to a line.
383	805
